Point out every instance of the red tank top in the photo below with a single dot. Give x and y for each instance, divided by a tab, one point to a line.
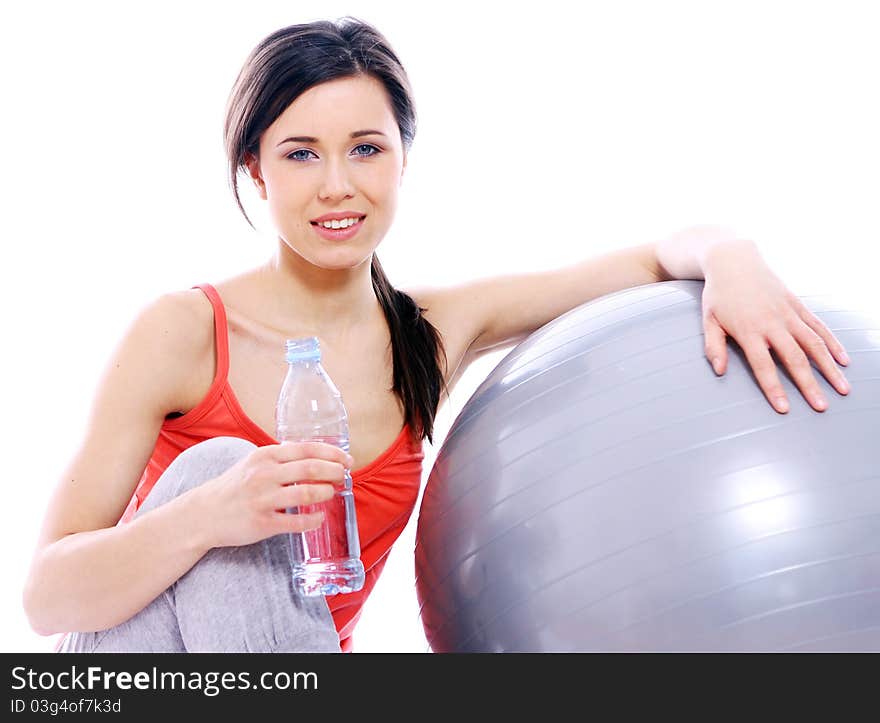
385	490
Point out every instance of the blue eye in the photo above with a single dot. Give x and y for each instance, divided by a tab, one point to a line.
371	150
295	155
364	150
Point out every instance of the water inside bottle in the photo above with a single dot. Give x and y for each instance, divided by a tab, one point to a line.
326	560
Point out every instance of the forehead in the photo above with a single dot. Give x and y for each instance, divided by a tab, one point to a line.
334	109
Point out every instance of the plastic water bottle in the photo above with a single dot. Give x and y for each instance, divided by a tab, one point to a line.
326	560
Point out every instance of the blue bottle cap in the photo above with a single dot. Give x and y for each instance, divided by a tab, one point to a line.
306	349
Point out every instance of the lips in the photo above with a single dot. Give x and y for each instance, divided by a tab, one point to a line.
342	223
338	216
338	234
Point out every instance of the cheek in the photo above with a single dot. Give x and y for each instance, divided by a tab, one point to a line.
381	184
289	196
289	188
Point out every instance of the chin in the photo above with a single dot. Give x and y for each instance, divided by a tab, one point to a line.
341	262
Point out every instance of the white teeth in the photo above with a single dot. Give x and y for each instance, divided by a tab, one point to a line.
343	223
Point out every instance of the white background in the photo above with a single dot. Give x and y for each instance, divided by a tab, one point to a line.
549	132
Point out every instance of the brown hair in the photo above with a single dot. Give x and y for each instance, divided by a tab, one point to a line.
281	67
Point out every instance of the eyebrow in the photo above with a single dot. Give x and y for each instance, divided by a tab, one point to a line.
312	139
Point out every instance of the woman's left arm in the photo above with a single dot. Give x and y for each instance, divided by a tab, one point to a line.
742	298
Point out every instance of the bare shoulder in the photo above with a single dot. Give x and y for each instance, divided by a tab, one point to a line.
182	312
175	331
183	319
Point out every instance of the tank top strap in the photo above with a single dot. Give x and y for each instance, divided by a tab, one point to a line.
221	331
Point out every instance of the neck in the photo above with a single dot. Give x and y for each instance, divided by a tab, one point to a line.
334	302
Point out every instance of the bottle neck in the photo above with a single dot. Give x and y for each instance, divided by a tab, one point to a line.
313	365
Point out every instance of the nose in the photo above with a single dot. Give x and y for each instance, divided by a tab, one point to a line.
336	184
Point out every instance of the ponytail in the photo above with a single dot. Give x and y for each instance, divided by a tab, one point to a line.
416	347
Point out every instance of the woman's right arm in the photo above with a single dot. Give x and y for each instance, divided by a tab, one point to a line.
89	574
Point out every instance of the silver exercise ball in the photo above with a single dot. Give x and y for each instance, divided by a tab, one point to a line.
603	490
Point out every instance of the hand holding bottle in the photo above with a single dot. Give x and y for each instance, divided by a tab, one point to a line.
249	501
326	559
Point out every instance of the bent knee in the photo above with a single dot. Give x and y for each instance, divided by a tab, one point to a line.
210	458
194	466
218	450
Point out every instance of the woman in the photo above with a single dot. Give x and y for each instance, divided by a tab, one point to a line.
321	119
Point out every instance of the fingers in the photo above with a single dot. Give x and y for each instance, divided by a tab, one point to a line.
303	498
295	506
308	470
794	350
764	368
793	358
292	451
823	332
302	495
282	521
816	349
715	343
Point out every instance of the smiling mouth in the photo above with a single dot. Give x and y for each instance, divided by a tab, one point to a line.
338	224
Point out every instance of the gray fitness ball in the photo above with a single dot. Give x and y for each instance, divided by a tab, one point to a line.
603	490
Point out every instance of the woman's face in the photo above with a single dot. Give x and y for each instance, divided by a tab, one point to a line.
334	152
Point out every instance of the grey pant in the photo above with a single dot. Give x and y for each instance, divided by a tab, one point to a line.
235	599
